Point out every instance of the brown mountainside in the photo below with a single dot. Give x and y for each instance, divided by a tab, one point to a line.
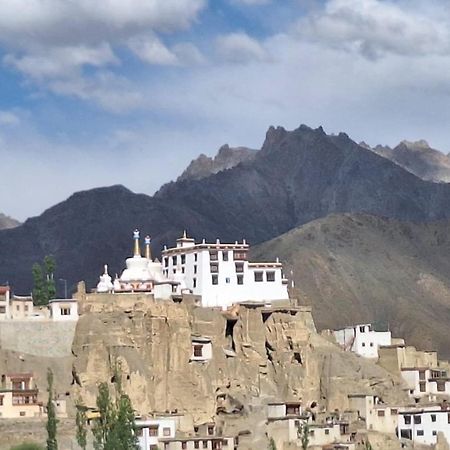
361	268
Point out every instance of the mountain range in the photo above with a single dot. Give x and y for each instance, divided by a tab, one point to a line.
301	178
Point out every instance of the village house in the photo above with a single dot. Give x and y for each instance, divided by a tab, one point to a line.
422	425
362	339
19	396
426	381
201	349
63	309
4	302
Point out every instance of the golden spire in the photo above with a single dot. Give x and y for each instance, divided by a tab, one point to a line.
137	249
148	250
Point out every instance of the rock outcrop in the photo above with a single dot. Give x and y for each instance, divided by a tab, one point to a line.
7	222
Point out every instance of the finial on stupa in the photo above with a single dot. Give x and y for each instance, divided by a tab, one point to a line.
184	234
106	269
148	250
137	249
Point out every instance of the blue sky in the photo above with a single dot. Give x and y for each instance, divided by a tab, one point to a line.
129	91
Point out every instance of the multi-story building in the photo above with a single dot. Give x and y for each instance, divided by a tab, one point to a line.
221	273
426	381
19	396
362	339
422	425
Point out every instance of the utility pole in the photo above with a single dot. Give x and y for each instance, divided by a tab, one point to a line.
65	286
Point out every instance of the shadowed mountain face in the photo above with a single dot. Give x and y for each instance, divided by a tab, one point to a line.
226	158
296	177
360	268
7	222
420	159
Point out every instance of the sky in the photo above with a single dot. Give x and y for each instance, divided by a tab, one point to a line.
96	93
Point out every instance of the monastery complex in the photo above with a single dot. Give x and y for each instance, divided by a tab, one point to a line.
217	353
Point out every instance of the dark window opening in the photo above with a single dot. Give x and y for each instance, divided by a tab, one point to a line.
270	275
229	333
258	277
225	256
298	358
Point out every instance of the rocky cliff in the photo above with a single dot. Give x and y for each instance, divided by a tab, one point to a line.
7	222
226	158
418	158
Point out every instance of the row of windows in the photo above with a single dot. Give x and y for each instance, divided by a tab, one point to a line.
213	256
418	419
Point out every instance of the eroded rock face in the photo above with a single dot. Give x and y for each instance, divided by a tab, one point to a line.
258	355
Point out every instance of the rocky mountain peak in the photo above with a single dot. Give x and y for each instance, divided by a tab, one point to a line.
7	222
416	145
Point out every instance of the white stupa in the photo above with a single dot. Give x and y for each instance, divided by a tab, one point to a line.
142	274
105	284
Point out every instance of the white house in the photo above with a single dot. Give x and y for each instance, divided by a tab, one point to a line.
63	309
221	274
361	339
201	349
150	431
422	425
426	381
4	302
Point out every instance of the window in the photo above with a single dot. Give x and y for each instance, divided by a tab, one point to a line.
194	281
361	329
196	444
17	307
363	344
153	431
213	256
240	256
183	445
311	432
182	270
422	386
198	351
327	431
394	412
195	257
166	262
240	279
166	431
1	400
2	309
174	260
22	413
407	420
214	268
448	418
65	311
239	267
195	269
270	275
371	344
210	430
205	444
421	374
258	276
440	385
183	259
434	432
433	417
225	255
417	420
419	432
215	279
227	280
381	413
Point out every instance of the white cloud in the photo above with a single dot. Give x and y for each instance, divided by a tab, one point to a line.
251	2
188	54
240	48
375	28
9	118
151	50
61	61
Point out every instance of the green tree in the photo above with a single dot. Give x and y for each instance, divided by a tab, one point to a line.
81	421
44	288
368	446
272	445
115	427
52	422
303	434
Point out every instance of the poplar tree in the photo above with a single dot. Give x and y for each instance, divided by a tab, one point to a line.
52	422
81	421
44	287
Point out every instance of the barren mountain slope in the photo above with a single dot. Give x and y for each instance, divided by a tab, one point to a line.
360	268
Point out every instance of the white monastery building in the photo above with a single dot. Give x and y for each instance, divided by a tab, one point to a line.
221	273
362	339
218	273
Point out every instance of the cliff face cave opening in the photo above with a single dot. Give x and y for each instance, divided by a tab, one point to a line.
229	329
